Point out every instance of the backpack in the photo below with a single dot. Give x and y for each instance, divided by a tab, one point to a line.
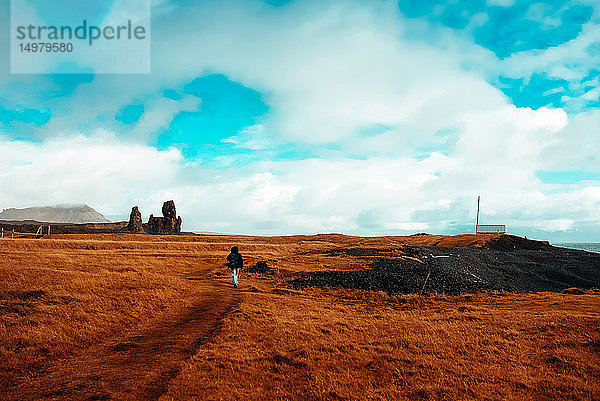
235	261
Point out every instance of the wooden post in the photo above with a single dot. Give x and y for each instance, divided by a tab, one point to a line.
13	234
426	278
48	229
477	218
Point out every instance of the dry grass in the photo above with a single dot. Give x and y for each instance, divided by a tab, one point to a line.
347	345
67	296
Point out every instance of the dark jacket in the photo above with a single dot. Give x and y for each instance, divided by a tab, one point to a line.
235	261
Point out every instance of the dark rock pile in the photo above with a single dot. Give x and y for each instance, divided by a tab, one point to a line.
506	264
260	267
509	243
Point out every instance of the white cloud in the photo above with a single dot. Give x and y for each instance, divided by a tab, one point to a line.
375	196
576	146
570	61
557	225
329	73
158	115
97	170
407	226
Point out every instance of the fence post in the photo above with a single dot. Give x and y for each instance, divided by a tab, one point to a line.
13	234
48	229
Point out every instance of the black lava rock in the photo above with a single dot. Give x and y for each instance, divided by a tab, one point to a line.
512	264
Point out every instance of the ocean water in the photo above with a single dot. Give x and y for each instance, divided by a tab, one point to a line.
584	246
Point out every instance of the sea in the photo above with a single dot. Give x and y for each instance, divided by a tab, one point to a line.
584	246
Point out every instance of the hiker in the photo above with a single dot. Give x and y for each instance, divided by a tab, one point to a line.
235	263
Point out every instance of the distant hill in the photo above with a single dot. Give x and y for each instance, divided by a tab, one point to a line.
77	214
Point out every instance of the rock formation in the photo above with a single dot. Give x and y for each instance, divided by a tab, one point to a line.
135	220
168	210
168	224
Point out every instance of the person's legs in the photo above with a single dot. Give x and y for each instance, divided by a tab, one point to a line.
237	276
234	276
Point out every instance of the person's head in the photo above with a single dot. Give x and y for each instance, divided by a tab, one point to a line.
234	249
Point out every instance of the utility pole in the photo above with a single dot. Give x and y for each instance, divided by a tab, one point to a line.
477	218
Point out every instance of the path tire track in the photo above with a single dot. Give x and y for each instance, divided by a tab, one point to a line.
139	366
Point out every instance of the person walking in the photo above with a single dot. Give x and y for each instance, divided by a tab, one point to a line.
236	264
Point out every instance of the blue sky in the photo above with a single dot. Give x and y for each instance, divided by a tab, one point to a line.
381	117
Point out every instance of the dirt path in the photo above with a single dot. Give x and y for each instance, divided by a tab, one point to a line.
138	366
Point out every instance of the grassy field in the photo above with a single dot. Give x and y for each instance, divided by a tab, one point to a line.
154	317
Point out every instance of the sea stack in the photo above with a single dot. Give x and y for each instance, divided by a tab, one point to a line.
170	223
135	221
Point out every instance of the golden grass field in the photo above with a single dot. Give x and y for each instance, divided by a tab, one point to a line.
136	317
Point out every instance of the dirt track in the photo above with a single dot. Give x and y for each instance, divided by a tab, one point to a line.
140	364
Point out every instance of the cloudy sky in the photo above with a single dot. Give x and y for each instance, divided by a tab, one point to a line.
302	116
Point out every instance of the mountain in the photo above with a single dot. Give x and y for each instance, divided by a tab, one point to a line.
77	214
